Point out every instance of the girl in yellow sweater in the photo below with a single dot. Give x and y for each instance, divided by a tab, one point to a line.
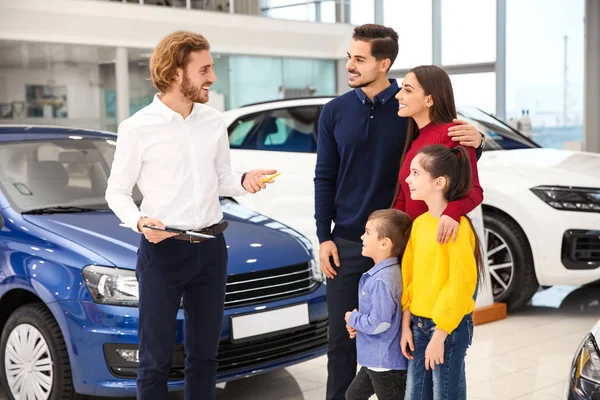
439	280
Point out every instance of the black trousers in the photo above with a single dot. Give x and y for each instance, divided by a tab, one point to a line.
342	296
166	271
387	385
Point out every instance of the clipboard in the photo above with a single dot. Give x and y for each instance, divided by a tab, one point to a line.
179	231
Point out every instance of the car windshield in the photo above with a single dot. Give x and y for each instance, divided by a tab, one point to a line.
63	173
499	135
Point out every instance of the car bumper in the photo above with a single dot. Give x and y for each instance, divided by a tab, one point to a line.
96	331
565	245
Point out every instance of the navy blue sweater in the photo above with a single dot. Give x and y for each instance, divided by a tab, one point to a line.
358	158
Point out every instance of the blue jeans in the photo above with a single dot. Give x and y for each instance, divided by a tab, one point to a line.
447	381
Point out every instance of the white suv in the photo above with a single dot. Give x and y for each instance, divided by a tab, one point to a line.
541	206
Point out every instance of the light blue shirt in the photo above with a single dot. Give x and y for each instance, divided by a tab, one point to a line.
378	321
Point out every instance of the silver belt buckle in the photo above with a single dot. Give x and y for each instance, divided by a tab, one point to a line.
194	239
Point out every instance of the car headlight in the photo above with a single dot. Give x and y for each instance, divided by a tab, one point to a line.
114	286
315	271
569	198
585	371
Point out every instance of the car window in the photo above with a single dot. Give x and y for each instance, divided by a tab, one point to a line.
38	174
241	132
499	135
290	129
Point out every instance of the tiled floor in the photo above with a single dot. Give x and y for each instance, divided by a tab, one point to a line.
525	357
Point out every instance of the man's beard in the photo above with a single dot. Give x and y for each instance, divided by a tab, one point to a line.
356	85
191	92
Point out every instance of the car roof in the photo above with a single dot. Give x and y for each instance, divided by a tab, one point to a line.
37	132
286	101
232	114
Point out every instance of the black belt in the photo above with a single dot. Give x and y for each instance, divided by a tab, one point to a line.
213	230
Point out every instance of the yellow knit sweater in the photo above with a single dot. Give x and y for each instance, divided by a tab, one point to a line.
439	279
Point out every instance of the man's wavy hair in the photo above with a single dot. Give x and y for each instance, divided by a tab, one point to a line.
171	53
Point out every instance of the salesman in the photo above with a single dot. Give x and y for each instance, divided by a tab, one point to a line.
177	151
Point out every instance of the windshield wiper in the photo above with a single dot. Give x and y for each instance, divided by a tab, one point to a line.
58	209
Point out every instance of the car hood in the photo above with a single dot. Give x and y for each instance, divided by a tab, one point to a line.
254	241
546	166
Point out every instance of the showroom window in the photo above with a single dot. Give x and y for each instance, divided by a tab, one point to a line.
412	21
357	12
544	69
475	90
465	39
53	84
291	9
253	79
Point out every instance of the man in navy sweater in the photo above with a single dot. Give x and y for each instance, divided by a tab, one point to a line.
361	139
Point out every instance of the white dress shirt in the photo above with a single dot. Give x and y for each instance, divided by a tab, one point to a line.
180	166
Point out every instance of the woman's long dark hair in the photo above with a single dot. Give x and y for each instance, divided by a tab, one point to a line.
454	164
436	83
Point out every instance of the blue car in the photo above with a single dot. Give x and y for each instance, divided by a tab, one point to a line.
68	292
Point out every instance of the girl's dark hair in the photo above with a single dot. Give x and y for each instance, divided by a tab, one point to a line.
453	164
436	83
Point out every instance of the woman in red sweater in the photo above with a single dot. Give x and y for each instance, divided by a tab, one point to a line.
427	98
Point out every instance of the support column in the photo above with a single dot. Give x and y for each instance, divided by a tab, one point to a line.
501	59
378	4
342	11
591	82
341	77
122	80
318	11
436	32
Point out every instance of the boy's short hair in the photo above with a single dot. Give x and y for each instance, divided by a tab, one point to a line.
395	225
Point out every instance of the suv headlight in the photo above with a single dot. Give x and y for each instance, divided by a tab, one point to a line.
585	371
569	198
315	272
109	285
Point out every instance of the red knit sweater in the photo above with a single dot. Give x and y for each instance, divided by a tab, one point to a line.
437	134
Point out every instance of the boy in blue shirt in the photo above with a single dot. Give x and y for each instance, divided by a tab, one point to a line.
377	324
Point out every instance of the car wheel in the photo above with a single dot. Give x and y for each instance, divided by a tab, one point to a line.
33	356
509	260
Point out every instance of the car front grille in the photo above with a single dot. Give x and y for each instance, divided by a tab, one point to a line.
269	285
581	249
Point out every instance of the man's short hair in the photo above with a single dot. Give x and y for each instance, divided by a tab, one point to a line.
384	40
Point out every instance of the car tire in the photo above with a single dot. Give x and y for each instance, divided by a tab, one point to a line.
510	260
35	323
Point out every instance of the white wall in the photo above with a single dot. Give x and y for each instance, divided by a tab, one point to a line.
83	91
131	25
